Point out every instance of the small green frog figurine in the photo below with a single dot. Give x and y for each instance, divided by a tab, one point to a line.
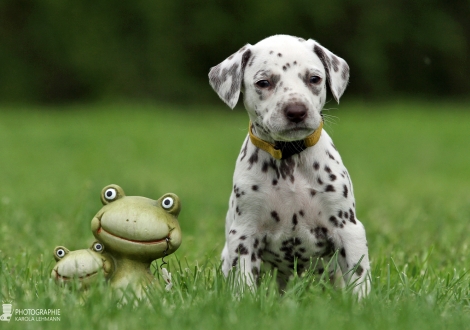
135	231
83	265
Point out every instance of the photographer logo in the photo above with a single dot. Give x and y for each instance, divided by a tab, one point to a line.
29	314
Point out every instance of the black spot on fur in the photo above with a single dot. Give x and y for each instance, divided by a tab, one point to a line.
320	233
313	192
241	249
345	72
342	252
316	166
334	221
274	80
272	252
253	257
273	165
352	217
255	271
243	237
359	270
253	158
294	221
297	241
265	166
286	169
330	155
279	54
330	188
255	245
275	216
340	213
345	191
327	169
233	231
235	262
320	182
335	63
254	188
325	61
274	182
301	212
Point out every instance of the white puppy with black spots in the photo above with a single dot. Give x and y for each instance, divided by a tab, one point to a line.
292	203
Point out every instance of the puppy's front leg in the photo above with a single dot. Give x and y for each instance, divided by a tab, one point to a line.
354	258
242	252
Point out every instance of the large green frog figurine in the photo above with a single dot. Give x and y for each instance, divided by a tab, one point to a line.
82	265
135	231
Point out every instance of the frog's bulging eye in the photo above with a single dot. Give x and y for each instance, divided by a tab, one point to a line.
168	202
60	253
98	247
110	194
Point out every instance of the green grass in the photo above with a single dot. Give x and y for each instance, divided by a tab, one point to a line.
410	164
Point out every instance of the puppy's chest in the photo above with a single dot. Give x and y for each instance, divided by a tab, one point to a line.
293	206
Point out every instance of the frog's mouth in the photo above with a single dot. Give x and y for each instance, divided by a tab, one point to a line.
166	239
69	278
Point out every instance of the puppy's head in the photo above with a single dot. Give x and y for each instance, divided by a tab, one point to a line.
283	80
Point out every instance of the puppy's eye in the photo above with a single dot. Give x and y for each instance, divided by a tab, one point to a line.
167	203
315	80
263	84
110	194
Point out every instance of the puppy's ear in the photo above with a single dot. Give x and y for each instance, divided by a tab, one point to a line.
227	77
337	70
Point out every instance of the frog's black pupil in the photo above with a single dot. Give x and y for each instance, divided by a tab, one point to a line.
167	202
109	194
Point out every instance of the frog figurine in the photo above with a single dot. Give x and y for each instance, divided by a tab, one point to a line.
135	231
83	265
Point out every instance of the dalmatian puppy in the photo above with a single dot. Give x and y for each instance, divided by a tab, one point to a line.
292	204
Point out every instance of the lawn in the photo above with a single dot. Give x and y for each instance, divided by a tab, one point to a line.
410	165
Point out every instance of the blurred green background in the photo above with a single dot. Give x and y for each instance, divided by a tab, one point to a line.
100	92
58	51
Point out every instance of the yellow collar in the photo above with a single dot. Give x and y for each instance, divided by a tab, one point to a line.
283	150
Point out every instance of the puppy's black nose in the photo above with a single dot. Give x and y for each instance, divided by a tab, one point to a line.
296	112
